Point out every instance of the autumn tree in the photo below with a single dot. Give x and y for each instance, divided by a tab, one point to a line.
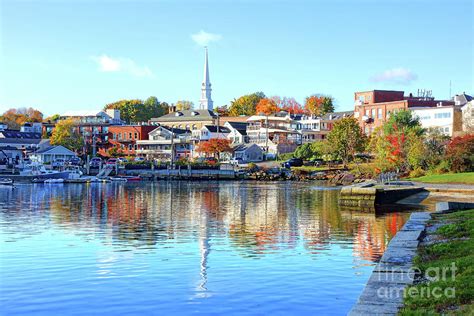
318	104
267	107
64	134
289	105
246	104
184	105
313	105
460	153
14	118
222	110
214	146
346	139
152	108
52	118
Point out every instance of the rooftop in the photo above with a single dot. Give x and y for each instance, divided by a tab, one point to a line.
188	115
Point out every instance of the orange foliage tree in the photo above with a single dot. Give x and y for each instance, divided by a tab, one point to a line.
14	118
313	104
267	107
289	105
214	146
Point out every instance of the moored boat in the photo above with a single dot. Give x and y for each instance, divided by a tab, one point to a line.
6	181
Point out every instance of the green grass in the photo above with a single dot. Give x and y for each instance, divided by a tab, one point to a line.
313	168
464	178
458	251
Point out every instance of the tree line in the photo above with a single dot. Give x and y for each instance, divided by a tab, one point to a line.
400	145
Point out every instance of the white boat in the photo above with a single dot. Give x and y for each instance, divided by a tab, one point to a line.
75	173
6	181
118	179
54	181
37	171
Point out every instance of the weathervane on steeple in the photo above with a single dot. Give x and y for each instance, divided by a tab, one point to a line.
206	102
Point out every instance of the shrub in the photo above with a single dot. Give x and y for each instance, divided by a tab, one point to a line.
460	153
417	172
286	156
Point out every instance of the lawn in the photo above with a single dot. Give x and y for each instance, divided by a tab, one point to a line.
464	178
448	293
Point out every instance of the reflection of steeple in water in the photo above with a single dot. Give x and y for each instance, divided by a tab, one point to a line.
204	250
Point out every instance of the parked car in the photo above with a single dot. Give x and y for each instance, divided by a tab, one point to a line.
112	161
76	161
57	163
293	162
95	162
122	160
139	159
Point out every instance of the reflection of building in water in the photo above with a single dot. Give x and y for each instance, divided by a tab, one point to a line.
257	218
373	234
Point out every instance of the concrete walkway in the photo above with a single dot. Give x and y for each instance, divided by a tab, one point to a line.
448	187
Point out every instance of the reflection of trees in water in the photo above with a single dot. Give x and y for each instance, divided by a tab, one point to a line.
257	218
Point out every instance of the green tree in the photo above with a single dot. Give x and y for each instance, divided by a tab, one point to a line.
327	105
346	139
152	108
246	104
64	134
183	105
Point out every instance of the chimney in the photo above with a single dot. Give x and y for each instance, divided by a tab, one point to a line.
172	108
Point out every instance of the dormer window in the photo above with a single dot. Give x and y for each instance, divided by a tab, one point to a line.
178	114
194	113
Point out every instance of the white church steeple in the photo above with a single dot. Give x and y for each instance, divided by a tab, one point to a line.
206	101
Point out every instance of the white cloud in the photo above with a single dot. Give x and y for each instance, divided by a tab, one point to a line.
126	65
203	38
395	75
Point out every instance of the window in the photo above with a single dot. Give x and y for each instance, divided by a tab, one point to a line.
136	135
119	136
388	114
130	147
114	136
379	115
366	112
129	135
366	130
124	136
356	114
373	113
446	129
442	115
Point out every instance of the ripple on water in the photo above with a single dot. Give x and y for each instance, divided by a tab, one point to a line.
186	248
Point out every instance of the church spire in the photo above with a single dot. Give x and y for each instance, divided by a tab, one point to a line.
206	100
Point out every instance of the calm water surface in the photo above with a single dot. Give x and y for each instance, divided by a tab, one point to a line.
185	248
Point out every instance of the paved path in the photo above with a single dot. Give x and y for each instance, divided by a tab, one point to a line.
445	186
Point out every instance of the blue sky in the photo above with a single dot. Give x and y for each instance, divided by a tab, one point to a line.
63	55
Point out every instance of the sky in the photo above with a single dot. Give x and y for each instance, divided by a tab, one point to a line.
81	54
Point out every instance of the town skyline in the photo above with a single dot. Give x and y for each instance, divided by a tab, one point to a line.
301	56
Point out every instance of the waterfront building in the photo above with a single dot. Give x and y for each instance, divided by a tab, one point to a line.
315	128
248	153
93	126
276	134
165	142
373	108
188	119
50	154
238	132
468	117
446	119
125	137
208	132
26	139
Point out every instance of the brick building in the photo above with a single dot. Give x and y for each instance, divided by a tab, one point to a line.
373	108
125	138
